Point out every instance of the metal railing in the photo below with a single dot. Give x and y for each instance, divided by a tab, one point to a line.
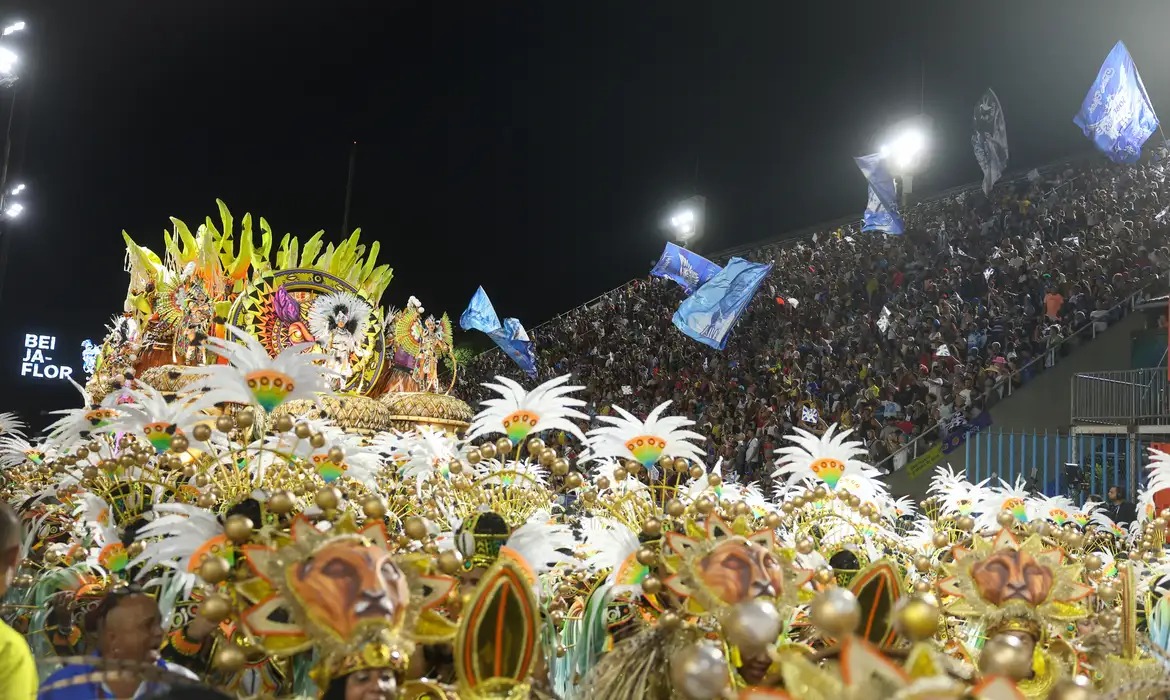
1059	463
1004	388
1122	397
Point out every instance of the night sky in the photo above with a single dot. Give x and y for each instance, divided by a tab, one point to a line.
532	147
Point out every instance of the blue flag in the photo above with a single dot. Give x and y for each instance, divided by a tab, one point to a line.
510	336
689	269
1117	115
881	211
710	313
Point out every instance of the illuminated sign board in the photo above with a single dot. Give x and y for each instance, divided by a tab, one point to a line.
38	358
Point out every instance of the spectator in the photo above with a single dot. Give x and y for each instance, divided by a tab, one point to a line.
1120	510
889	334
126	626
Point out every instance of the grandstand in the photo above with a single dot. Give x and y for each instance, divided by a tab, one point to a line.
982	297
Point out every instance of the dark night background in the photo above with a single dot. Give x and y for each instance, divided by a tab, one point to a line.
529	147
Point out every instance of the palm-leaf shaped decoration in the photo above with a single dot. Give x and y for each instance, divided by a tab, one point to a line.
496	646
877	588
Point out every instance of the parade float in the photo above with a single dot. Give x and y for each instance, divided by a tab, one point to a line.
275	460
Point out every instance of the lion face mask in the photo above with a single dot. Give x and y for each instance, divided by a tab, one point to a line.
738	570
1009	575
346	585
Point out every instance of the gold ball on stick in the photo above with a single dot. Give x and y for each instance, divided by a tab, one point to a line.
1075	688
415	528
560	466
304	431
681	464
336	455
752	625
238	528
772	520
651	585
230	658
450	561
940	540
201	432
1005	519
328	498
675	508
224	423
503	445
487	450
1006	655
245	419
282	424
317	440
573	481
965	523
535	445
699	671
215	608
280	502
474	457
916	617
835	612
374	507
696	472
1093	562
214	569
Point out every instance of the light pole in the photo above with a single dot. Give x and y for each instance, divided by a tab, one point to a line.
10	208
686	219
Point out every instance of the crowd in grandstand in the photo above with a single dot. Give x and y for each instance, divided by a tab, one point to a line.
895	336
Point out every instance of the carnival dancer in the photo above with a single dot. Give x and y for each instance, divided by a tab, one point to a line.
16	662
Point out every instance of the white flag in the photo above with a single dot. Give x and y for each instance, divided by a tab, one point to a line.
990	139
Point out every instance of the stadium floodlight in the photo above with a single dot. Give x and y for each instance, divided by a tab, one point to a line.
14	210
906	149
14	27
685	220
8	61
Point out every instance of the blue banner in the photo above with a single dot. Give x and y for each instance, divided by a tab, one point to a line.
881	211
957	428
1117	115
709	314
510	336
689	269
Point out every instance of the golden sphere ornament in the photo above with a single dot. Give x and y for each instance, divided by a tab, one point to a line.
230	658
205	500
415	528
375	507
714	480
772	520
603	483
824	577
965	523
245	419
647	556
474	457
1005	519
1006	655
1106	591
214	569
535	445
940	540
238	528
668	621
336	455
179	443
573	481
89	473
681	464
620	474
280	503
753	625
215	608
652	527
303	431
696	472
317	440
328	498
224	423
487	450
651	585
1093	562
503	446
835	612
699	671
1075	688
282	424
560	466
804	546
450	561
704	505
916	617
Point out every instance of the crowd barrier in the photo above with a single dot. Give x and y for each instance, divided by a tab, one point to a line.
1076	465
